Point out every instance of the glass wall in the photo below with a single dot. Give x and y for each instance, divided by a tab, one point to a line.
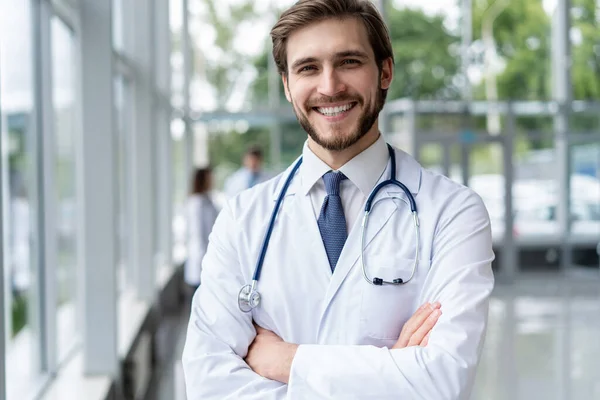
19	194
42	77
63	100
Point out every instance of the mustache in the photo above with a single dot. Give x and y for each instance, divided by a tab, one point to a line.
323	100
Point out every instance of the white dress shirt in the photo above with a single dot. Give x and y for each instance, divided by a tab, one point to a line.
363	172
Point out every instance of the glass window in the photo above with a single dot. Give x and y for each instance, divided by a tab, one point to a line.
63	99
122	91
18	194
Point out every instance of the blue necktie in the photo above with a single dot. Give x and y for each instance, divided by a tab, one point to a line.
332	222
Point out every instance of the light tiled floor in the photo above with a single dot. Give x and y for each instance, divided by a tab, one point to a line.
543	342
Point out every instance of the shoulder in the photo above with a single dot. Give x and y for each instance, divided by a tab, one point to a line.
439	192
258	200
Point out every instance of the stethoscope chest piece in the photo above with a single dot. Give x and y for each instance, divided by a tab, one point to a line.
248	298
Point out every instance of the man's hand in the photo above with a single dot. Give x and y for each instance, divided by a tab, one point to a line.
271	357
415	331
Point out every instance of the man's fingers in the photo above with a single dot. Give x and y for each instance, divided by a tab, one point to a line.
418	318
412	324
415	323
425	340
425	328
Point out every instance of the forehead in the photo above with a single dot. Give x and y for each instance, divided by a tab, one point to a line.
323	39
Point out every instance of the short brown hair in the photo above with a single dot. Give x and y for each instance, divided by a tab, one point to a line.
255	151
200	180
306	12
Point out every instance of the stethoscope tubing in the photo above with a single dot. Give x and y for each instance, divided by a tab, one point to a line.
252	289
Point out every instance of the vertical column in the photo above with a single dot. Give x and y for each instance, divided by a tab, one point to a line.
97	190
274	106
46	263
3	335
385	118
163	73
163	135
142	151
447	159
165	216
5	256
412	145
561	78
187	78
509	261
467	38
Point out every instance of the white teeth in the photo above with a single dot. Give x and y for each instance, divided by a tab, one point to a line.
333	111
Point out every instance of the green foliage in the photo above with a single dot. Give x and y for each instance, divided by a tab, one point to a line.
586	54
522	35
223	73
425	65
19	313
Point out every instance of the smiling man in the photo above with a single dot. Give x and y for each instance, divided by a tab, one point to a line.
338	308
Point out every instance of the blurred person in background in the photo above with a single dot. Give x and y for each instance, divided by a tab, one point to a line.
249	175
201	215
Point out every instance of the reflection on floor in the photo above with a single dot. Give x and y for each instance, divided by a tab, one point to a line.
543	342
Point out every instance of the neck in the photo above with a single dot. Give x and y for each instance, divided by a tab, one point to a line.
336	159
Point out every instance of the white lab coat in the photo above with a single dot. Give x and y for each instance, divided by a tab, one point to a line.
201	216
345	326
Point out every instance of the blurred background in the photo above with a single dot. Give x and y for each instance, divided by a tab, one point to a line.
108	106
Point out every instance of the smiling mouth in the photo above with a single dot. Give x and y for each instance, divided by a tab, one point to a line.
335	111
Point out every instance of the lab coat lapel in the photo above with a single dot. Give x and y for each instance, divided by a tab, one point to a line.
308	240
306	236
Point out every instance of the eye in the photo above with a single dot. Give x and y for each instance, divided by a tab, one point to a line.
307	68
350	61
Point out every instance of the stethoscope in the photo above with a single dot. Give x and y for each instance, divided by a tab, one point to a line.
249	297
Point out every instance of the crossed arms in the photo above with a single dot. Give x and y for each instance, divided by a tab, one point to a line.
226	357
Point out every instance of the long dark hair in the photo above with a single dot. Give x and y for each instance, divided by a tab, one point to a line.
201	180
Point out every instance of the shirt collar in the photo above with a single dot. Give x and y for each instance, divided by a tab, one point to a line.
364	170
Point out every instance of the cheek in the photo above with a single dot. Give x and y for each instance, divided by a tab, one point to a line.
300	92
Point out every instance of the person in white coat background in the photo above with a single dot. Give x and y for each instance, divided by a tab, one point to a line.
250	174
201	216
322	330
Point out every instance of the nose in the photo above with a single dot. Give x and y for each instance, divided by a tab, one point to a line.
331	83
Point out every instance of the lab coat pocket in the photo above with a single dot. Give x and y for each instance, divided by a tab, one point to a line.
385	309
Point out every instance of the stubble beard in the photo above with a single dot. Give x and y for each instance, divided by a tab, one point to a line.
340	141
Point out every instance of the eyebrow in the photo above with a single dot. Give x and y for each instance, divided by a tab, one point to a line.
338	55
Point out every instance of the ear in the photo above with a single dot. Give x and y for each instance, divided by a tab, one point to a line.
387	73
284	79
